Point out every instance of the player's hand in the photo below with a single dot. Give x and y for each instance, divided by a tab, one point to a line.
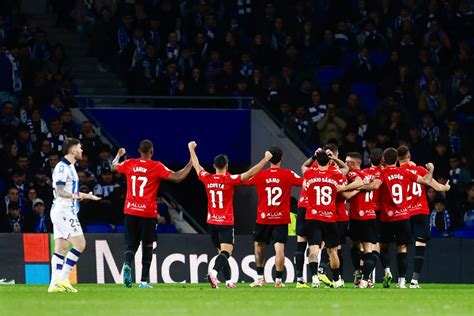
268	155
366	181
192	145
411	163
91	196
121	152
330	154
429	166
78	196
317	151
447	187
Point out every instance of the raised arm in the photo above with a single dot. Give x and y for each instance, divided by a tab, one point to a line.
121	152
309	161
255	169
440	187
426	180
341	164
194	159
180	175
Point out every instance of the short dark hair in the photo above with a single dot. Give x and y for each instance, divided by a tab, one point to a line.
322	158
277	154
146	146
390	156
53	153
13	206
402	152
220	161
355	155
375	156
69	143
331	146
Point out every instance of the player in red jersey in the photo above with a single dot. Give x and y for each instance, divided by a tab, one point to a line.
301	233
220	218
322	186
419	210
395	217
144	176
363	225
273	214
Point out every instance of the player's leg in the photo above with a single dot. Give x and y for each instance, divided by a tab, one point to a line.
354	234
57	262
314	233
279	237
226	246
341	237
386	237
323	266
259	246
301	243
332	239
421	231
132	242
148	238
70	260
403	238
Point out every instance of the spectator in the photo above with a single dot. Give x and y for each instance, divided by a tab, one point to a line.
53	159
37	126
10	76
419	147
440	220
23	142
242	91
39	158
103	38
429	131
54	110
38	221
104	160
349	111
459	176
106	184
56	134
316	110
433	100
14	221
466	207
8	121
441	160
196	84
331	126
452	136
464	103
90	140
300	124
363	69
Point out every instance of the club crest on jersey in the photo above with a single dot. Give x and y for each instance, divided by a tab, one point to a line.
136	206
390	213
361	213
263	215
139	169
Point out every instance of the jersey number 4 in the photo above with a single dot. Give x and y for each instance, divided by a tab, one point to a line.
143	181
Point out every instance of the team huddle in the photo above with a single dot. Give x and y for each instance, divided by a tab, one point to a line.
387	203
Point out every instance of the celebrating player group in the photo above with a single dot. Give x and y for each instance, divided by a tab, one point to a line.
383	204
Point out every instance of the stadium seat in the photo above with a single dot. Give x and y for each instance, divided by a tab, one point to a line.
99	228
166	229
347	60
367	95
120	228
379	59
464	233
324	75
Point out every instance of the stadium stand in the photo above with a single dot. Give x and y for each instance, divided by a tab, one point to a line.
392	72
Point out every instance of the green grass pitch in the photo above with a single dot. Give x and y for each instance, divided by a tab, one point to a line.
200	299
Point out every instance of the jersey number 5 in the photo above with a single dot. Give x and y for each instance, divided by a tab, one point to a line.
143	181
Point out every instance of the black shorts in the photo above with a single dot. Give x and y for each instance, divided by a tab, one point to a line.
342	232
420	227
377	223
267	233
221	234
363	230
139	229
301	222
399	232
319	231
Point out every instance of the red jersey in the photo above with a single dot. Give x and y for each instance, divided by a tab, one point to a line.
220	196
362	205
274	193
393	193
321	189
418	204
303	200
371	174
143	181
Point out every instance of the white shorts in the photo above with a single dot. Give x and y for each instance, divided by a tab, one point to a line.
65	224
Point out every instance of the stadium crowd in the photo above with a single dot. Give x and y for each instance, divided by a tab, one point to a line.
362	74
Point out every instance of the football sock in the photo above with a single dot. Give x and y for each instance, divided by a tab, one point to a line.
278	276
130	254
370	260
221	260
147	255
313	268
323	265
70	261
355	255
226	271
336	273
384	259
260	272
402	264
57	261
419	260
341	259
299	259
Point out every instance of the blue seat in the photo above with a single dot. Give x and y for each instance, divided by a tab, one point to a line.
99	228
367	95
348	59
464	233
166	229
120	228
379	59
324	75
